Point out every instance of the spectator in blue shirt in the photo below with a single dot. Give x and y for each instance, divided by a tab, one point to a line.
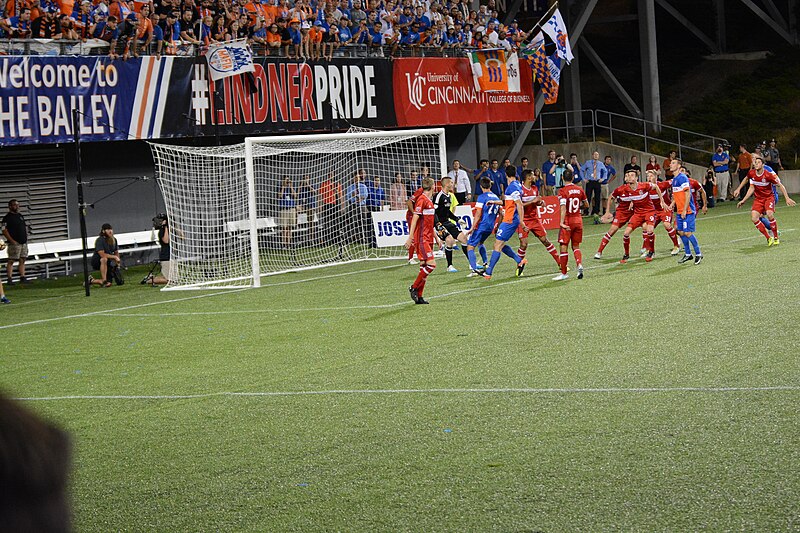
481	172
605	185
423	21
576	168
345	33
377	196
594	172
549	172
498	177
357	195
720	161
287	210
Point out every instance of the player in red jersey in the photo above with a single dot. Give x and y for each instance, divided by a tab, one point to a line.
643	214
662	215
761	182
623	196
530	220
571	198
421	236
409	215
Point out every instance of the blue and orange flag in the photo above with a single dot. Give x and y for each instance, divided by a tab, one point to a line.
489	71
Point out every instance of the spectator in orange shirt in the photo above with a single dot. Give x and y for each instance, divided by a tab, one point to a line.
316	34
743	165
273	38
119	9
144	30
66	7
667	172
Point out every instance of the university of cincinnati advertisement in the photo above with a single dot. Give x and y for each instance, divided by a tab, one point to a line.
152	98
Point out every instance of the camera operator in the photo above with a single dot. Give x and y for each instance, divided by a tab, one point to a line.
106	258
161	223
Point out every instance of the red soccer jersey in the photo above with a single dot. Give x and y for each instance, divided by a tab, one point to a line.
640	197
572	197
762	184
695	185
530	211
622	195
424	208
664	186
414	198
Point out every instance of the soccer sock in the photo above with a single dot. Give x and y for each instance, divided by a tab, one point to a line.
760	227
521	252
551	249
509	251
774	223
650	241
563	257
686	249
472	261
578	256
604	243
766	222
626	244
695	245
448	253
673	235
482	251
425	272
420	277
464	249
493	262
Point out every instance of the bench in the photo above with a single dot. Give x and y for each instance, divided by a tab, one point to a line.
66	250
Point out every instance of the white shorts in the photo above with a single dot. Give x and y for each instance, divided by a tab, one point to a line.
166	269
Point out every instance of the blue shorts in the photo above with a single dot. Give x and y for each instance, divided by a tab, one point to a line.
685	224
477	237
506	230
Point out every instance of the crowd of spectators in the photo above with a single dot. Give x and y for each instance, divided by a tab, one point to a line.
310	29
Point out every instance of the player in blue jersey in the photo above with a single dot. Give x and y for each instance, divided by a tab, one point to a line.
512	208
487	207
685	209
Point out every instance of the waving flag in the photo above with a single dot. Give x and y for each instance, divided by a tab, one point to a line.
489	70
557	31
229	59
547	70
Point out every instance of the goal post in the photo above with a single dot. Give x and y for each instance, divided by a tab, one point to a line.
286	203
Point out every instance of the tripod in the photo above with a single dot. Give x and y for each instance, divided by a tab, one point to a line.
149	277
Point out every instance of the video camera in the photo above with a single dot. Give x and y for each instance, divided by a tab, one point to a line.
159	220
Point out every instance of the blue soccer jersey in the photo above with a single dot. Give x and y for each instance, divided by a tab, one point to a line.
488	211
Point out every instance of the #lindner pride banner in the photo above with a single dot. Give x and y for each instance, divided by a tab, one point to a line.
434	91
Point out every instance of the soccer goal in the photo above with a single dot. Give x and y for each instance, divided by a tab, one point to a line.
283	203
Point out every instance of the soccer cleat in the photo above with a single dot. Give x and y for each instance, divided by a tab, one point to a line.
649	256
486	276
598	255
421	300
675	251
580	272
25	281
770	241
561	277
777	241
698	259
624	259
644	253
4	300
439	253
89	281
685	258
521	266
413	261
414	296
451	268
473	274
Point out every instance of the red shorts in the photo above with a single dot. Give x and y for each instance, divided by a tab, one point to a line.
641	219
529	226
621	217
424	252
574	234
764	205
663	216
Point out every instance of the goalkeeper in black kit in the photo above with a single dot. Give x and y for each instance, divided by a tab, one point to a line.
447	223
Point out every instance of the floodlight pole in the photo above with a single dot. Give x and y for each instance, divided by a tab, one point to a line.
76	136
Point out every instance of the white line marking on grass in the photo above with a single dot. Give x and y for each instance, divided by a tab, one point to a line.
748	238
554	390
40	300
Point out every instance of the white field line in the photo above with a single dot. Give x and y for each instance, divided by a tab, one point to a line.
604	390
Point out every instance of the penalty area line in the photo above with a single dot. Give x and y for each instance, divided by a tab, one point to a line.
364	392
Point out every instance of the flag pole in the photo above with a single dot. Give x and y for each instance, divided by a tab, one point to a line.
547	15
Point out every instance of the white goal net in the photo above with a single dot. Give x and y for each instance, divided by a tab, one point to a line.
284	203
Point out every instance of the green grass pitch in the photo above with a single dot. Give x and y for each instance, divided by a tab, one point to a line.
644	397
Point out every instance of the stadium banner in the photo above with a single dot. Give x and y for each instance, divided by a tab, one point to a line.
549	213
439	91
38	94
391	227
283	95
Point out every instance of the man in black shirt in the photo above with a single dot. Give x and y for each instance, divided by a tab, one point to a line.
106	258
15	230
633	165
447	223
